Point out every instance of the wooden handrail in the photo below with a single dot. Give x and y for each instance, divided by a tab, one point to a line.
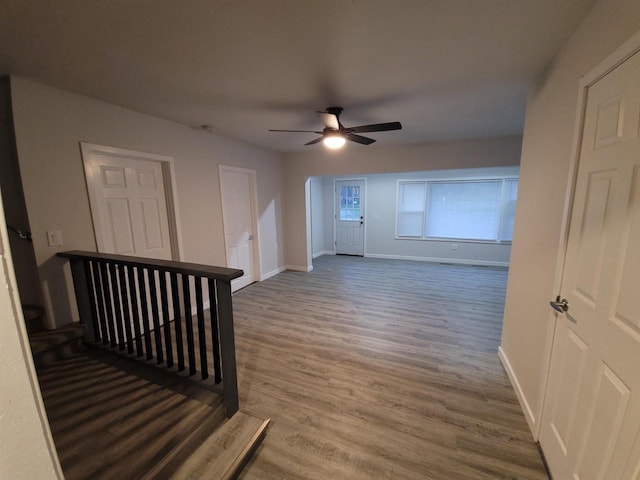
130	305
185	268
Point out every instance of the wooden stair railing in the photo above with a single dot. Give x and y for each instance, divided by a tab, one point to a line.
153	308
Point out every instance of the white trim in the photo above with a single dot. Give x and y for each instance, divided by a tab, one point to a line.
272	273
526	408
456	261
612	61
255	243
297	268
170	193
324	252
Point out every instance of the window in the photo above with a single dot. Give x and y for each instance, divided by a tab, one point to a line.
481	210
350	203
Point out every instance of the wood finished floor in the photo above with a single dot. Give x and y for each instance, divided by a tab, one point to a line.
380	369
113	422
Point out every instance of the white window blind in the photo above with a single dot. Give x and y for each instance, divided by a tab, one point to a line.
411	208
468	210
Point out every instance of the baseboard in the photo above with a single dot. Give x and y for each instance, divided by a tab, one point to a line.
272	273
324	252
297	268
457	261
194	310
528	412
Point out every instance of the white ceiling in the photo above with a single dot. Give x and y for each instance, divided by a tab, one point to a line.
446	69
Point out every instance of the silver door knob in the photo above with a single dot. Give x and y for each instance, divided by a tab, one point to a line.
251	237
560	305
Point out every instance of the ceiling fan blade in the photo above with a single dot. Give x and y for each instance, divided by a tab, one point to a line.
299	131
330	120
313	142
359	139
376	127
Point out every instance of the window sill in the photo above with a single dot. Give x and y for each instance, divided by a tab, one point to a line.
455	240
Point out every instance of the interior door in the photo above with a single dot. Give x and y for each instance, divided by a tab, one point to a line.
237	188
350	217
128	203
591	422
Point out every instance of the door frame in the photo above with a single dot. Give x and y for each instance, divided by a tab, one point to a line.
253	187
169	179
335	212
610	63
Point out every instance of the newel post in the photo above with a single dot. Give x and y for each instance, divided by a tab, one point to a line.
227	347
82	285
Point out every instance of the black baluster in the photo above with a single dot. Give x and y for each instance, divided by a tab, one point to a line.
215	344
157	332
124	273
186	291
133	293
88	272
145	312
97	281
177	322
202	334
117	305
168	348
108	303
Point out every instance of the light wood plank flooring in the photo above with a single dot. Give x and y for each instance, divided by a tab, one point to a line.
380	369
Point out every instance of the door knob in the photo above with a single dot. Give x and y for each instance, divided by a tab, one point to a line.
251	237
560	305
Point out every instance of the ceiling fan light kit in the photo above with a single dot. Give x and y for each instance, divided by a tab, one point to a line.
335	134
334	140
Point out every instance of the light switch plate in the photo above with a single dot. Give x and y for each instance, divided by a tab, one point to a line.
54	238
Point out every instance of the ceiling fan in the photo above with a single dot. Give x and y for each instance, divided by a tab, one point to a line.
335	134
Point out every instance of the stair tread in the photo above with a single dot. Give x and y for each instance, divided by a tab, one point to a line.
111	423
225	450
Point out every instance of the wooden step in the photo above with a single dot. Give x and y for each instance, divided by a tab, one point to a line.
114	417
49	346
223	455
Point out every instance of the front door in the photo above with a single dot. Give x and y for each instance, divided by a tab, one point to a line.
128	202
350	217
237	188
591	422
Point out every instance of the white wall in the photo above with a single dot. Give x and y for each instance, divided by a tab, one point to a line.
27	451
358	161
49	125
544	169
317	215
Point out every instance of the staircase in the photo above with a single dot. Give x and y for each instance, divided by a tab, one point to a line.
114	417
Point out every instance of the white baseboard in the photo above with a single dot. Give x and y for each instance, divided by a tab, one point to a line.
457	261
526	408
194	309
272	273
297	268
324	252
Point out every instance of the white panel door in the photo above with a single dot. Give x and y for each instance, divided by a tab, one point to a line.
237	188
128	203
350	217
591	422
